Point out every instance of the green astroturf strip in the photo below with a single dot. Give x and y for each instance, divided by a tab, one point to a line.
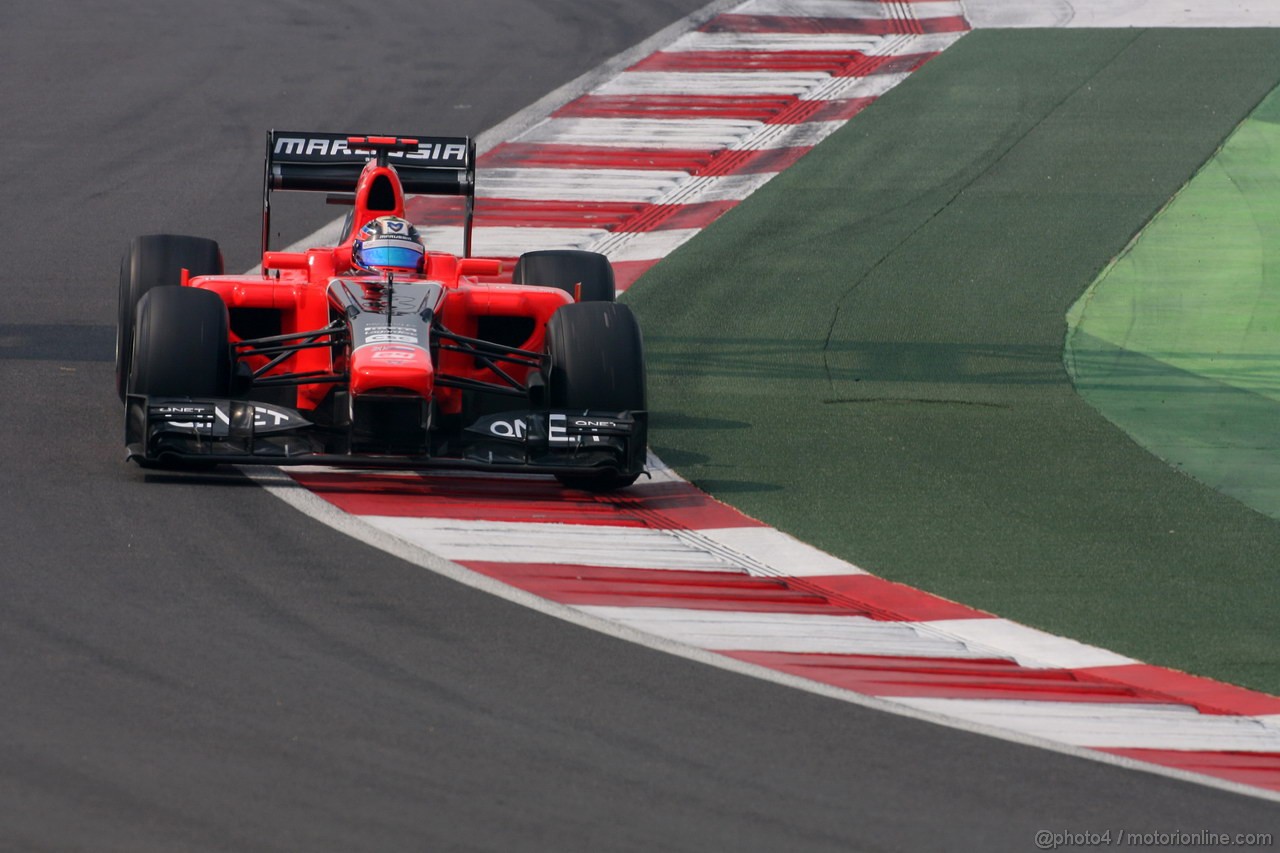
1179	341
868	353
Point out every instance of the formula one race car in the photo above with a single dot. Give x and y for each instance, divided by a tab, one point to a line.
377	352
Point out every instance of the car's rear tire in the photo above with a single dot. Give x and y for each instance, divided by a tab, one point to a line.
596	363
180	345
155	260
589	275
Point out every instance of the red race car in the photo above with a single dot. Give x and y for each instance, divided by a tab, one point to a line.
377	352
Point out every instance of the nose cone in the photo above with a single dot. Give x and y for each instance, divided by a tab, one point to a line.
390	368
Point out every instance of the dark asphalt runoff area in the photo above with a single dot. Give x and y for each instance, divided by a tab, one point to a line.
188	664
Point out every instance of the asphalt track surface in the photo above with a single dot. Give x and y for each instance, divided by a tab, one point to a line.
188	664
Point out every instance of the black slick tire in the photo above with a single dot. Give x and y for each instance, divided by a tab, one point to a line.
596	363
155	260
180	345
587	276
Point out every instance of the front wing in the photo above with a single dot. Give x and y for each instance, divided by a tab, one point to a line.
164	430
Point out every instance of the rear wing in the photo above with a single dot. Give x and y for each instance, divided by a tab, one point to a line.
332	162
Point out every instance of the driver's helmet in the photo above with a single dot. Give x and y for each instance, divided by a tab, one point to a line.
388	243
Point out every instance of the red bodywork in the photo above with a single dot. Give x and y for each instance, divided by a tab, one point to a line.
291	295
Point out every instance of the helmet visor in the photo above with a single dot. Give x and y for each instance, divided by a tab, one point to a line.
400	256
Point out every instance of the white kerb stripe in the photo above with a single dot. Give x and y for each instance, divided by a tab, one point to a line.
848	88
507	242
759	551
639	185
805	135
913	45
1028	646
643	245
726	631
849	9
1111	725
701	190
699	134
463	540
895	45
772	42
713	83
727	188
810	633
776	554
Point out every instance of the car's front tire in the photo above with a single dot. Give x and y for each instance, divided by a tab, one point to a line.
596	363
180	345
155	260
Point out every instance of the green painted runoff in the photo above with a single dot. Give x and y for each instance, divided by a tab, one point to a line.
868	352
1178	342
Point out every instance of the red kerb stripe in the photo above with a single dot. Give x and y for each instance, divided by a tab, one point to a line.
1207	695
662	505
627	273
660	217
1260	769
623	587
882	675
758	107
694	162
439	210
557	156
837	63
771	109
640	587
887	599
